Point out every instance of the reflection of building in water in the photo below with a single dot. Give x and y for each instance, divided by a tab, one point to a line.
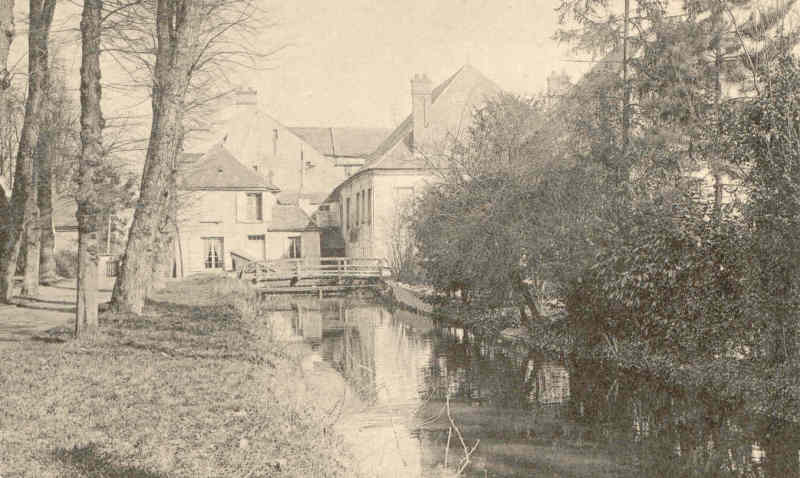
552	382
386	357
349	345
297	324
308	324
757	454
283	325
641	421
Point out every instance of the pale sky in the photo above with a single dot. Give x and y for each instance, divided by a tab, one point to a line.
351	61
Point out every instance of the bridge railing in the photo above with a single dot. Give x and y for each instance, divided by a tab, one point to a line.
314	268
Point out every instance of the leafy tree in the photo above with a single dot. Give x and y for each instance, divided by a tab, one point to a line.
681	58
671	279
508	208
767	133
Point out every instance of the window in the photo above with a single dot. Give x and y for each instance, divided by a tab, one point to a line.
368	212
214	254
324	207
358	208
209	210
256	245
112	268
253	207
347	213
294	247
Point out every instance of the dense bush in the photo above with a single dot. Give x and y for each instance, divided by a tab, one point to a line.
673	279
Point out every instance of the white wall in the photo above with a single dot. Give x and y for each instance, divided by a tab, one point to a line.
217	214
392	191
251	137
278	244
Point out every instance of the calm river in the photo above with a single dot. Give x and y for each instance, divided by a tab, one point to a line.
530	414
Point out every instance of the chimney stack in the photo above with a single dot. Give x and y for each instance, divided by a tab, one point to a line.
421	91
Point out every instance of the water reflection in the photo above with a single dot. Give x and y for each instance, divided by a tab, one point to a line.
534	413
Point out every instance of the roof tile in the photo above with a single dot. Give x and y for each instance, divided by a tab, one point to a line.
342	142
290	218
219	169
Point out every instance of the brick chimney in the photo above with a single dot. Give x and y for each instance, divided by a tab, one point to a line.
421	91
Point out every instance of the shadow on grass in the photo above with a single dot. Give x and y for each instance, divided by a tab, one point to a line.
201	320
37	300
89	461
48	340
70	310
209	353
72	287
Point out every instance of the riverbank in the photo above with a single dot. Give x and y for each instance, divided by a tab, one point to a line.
753	386
194	387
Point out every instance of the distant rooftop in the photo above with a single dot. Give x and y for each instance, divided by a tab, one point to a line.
219	169
287	217
342	142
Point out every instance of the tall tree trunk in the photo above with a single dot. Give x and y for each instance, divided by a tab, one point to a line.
165	244
23	199
521	288
176	31
33	231
47	259
91	155
716	161
6	38
30	281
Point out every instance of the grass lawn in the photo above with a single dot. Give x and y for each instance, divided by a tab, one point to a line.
195	387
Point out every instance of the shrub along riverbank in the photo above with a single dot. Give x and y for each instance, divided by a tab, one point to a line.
753	386
743	383
193	387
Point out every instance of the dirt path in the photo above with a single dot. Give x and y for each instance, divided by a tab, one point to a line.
55	307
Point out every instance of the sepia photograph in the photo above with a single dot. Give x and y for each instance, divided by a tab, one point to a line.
400	239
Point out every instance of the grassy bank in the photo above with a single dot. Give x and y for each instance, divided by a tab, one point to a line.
194	387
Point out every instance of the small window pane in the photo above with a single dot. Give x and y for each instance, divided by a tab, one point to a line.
214	256
253	207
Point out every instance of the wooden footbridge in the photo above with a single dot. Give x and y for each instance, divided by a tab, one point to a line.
314	275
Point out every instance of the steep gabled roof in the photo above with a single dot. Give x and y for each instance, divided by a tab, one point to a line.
292	197
289	217
219	169
342	142
395	151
